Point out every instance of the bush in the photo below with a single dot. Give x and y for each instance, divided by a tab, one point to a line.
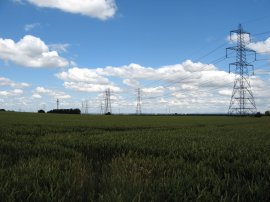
41	111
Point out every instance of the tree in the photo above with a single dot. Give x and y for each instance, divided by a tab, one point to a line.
267	113
41	111
258	114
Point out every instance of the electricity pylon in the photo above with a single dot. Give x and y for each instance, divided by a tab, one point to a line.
108	107
57	104
242	99
139	107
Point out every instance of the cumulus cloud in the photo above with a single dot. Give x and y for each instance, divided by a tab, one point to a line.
167	73
181	88
30	51
101	9
39	91
262	47
225	92
86	80
234	37
89	87
188	86
83	75
7	82
131	83
95	79
11	93
153	90
167	84
36	96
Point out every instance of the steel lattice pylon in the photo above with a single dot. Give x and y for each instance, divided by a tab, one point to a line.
108	107
57	103
139	107
242	99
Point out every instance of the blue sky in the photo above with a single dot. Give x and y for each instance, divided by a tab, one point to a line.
74	51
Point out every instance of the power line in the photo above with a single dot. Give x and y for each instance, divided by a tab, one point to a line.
256	19
261	33
201	57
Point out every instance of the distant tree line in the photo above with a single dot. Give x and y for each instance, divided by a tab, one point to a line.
65	111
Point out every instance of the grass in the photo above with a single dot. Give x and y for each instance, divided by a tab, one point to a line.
49	157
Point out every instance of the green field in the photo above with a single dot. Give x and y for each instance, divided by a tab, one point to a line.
49	157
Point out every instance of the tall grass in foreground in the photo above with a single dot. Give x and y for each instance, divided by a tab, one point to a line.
46	157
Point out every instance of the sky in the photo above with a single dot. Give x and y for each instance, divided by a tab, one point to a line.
173	51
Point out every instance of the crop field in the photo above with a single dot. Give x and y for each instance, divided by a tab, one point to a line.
50	157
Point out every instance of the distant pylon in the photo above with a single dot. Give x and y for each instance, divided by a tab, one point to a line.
101	108
242	99
57	104
139	106
108	107
86	106
82	106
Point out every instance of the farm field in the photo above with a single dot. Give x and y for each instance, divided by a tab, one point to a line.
50	157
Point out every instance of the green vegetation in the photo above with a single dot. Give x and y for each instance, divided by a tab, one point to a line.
52	157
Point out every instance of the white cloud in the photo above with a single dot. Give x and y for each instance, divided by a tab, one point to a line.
42	90
167	73
131	83
132	71
11	93
36	96
158	98
39	91
98	79
234	37
225	92
30	51
29	27
86	80
181	88
91	88
178	85
7	82
195	67
83	75
153	91
215	78
262	47
101	9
